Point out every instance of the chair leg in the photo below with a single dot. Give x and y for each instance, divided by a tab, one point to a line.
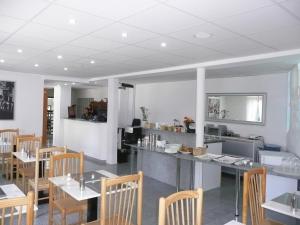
80	217
50	213
11	170
64	218
2	165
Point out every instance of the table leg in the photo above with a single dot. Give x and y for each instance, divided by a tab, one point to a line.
17	172
237	192
131	160
178	174
92	209
192	179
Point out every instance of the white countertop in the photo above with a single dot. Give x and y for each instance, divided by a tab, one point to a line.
71	186
23	157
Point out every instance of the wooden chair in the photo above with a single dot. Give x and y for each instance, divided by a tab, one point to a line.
8	135
118	199
26	170
12	161
253	196
61	165
42	167
12	208
181	208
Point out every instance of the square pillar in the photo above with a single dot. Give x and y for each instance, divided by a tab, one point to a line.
62	99
112	120
200	107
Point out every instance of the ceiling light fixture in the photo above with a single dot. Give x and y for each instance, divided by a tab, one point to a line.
19	50
202	35
92	62
72	21
66	69
73	83
59	57
36	65
124	35
163	44
65	84
2	60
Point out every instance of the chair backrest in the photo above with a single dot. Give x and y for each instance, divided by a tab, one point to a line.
62	164
121	196
42	165
12	210
181	208
8	136
29	143
254	195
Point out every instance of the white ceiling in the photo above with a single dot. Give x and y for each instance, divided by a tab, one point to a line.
42	30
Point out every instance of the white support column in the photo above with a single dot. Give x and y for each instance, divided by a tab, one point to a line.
112	120
62	99
200	107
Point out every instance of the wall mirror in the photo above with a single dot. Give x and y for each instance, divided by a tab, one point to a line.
246	108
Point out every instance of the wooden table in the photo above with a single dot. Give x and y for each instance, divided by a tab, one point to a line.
233	222
281	205
23	157
70	185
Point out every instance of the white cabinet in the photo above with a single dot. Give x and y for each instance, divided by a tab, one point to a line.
209	176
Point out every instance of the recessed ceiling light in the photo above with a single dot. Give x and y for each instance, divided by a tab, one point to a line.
73	83
163	44
36	65
66	69
92	61
2	60
65	84
202	35
19	50
124	35
72	21
59	57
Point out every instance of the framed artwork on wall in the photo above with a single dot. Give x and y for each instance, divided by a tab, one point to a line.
7	100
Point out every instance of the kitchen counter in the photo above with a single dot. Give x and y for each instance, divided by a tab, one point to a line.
83	120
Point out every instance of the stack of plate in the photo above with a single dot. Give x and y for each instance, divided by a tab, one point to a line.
172	148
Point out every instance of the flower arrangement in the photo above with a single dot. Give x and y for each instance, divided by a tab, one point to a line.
145	113
188	120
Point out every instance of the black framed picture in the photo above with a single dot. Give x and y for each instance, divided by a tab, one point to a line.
7	100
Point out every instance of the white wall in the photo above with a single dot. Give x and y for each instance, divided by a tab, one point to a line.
276	87
28	115
96	93
167	101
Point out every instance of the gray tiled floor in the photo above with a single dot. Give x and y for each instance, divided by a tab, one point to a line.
218	203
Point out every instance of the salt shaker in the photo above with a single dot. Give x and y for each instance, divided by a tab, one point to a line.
294	203
81	183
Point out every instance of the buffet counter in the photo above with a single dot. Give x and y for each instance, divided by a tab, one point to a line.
87	136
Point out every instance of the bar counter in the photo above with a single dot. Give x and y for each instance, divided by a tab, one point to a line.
87	136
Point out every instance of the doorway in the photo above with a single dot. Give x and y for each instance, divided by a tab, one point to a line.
48	116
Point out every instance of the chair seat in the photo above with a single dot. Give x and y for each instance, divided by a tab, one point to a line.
27	172
43	183
271	222
109	221
14	161
69	205
5	155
